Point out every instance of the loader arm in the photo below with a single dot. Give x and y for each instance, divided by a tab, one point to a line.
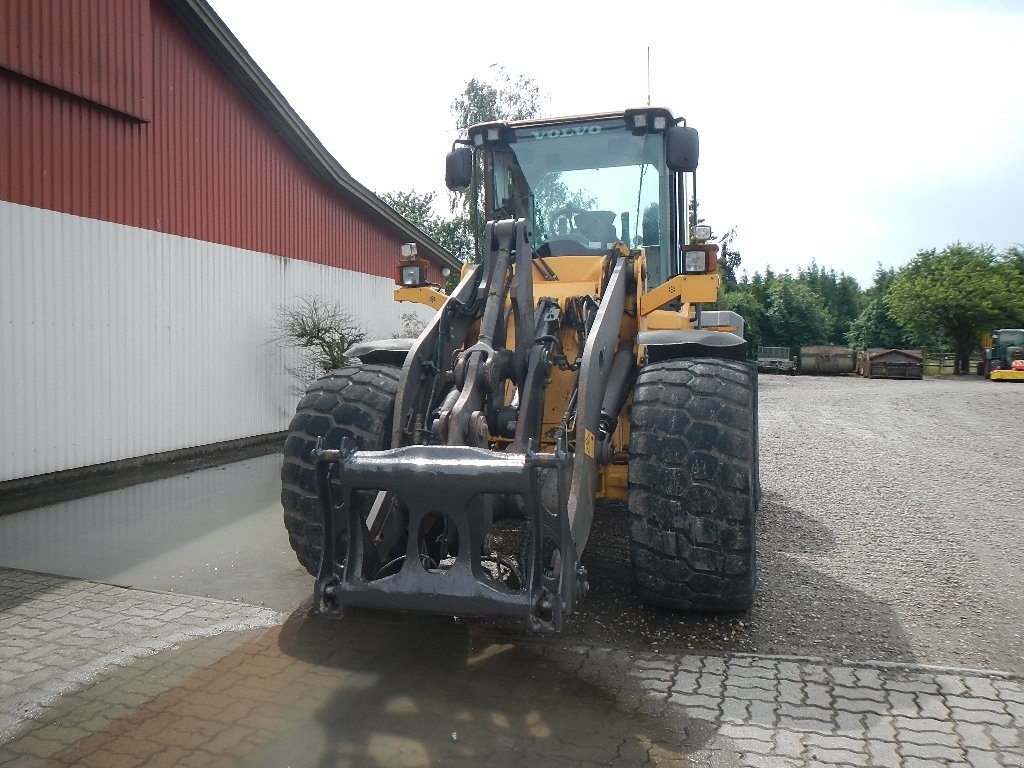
595	370
475	504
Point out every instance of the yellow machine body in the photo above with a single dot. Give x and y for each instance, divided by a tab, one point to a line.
573	276
1006	375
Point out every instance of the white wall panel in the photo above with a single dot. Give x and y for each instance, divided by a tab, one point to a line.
118	342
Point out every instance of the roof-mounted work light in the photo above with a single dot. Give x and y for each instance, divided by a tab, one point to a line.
650	120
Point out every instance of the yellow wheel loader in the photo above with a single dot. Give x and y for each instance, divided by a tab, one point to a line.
457	473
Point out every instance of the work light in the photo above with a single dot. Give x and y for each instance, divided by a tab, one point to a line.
695	261
413	275
702	232
410	272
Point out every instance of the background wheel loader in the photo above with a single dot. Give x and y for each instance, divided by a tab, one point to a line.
457	473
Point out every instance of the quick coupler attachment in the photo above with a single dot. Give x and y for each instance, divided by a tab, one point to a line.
449	530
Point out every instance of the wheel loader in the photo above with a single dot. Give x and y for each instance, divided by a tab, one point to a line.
457	473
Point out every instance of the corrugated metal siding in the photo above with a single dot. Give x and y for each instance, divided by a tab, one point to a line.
119	342
207	167
100	50
141	263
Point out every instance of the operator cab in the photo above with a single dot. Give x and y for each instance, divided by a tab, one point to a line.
1008	345
587	183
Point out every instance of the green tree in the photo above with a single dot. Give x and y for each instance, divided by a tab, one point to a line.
875	326
417	208
961	291
453	233
741	299
840	294
794	315
1014	257
502	97
778	310
729	258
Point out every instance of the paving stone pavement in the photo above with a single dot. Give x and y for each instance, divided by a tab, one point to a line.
788	712
58	633
92	674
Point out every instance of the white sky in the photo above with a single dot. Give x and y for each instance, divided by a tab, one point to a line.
855	133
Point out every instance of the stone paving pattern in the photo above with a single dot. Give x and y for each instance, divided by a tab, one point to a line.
93	675
58	633
786	713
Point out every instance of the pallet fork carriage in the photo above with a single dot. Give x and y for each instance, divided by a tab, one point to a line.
457	473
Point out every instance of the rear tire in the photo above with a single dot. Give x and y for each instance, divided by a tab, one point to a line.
693	484
352	402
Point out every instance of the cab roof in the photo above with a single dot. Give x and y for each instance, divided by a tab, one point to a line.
547	122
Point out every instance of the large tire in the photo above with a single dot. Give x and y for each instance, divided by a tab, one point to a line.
352	402
693	484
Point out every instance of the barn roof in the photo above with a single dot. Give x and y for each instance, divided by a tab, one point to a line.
227	52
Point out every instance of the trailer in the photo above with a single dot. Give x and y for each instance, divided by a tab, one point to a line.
775	360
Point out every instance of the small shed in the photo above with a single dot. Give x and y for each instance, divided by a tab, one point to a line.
891	363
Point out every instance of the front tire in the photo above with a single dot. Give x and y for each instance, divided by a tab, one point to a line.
693	484
352	402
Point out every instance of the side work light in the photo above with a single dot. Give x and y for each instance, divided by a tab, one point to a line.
698	259
410	272
412	276
695	261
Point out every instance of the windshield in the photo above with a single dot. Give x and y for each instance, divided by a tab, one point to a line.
584	187
1011	338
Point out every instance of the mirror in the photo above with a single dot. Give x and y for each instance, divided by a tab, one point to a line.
458	168
681	148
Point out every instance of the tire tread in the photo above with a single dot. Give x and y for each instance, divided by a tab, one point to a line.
356	402
693	484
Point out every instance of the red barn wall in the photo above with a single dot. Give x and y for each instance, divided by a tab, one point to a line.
201	163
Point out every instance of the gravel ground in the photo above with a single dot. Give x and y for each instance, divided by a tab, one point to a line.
891	529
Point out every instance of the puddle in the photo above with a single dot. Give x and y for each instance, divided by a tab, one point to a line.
368	690
216	532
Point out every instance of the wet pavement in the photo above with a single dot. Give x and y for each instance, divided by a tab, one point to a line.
177	633
157	679
213	533
94	675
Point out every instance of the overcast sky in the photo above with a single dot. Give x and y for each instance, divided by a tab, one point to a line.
853	133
